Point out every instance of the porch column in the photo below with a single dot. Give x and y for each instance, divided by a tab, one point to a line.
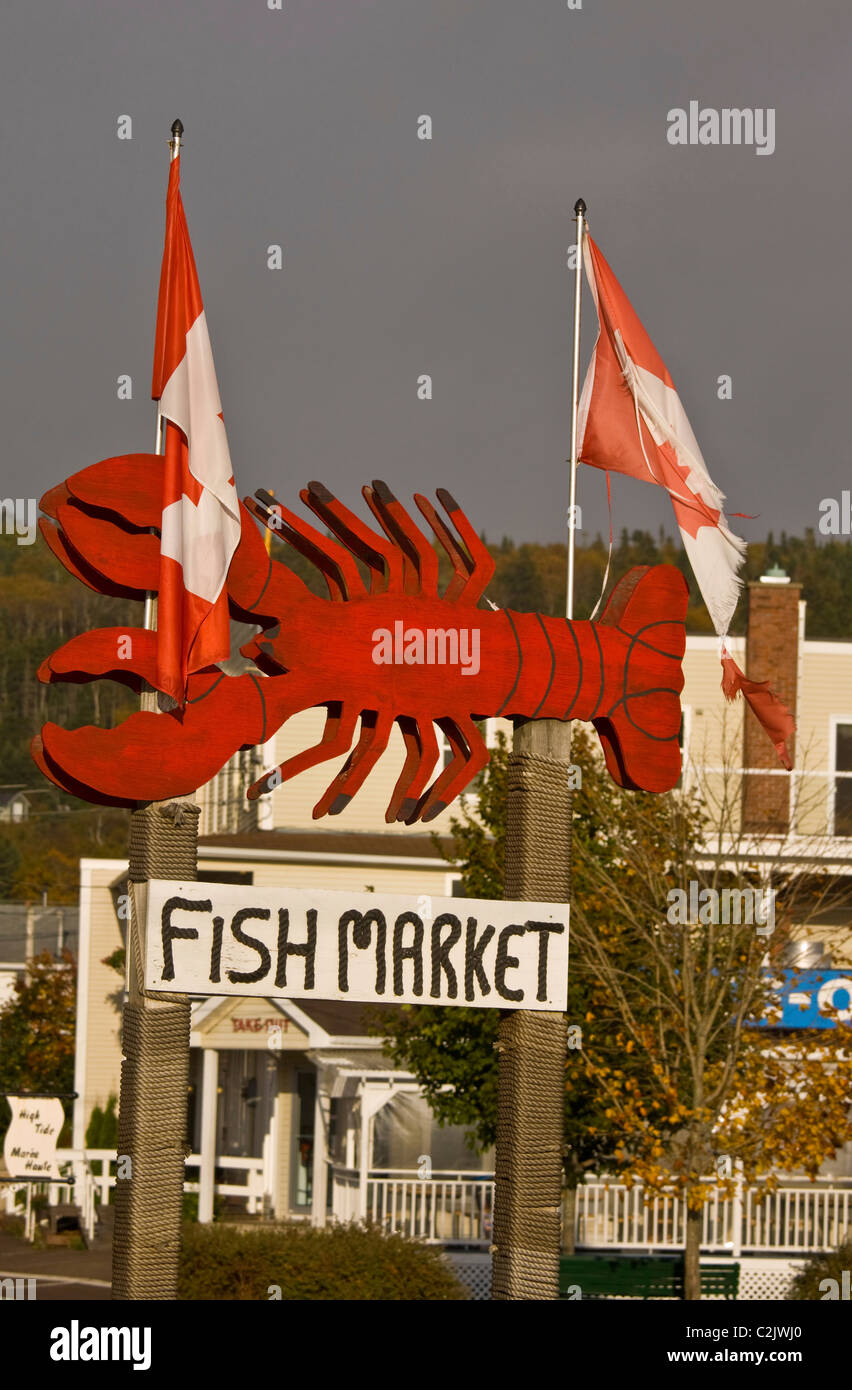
322	1111
209	1107
284	1139
364	1154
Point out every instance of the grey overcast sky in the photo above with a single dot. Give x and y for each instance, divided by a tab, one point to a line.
446	257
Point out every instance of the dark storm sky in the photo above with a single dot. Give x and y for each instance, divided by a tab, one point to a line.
404	257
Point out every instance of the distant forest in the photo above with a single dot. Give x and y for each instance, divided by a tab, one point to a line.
41	606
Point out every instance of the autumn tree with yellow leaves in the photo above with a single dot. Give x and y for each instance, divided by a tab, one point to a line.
677	1084
677	938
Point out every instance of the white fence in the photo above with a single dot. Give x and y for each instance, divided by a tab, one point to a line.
83	1189
789	1221
447	1208
457	1208
89	1180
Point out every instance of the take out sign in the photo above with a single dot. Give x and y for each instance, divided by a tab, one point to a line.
223	938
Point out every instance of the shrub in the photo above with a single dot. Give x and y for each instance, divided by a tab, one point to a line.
102	1132
806	1284
339	1262
190	1207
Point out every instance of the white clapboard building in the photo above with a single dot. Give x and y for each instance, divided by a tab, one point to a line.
294	1107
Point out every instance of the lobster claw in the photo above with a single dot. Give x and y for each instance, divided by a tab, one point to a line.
103	526
150	757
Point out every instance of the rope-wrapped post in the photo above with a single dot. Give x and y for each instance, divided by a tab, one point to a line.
532	1045
154	1078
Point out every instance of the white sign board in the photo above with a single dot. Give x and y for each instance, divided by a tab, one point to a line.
222	938
29	1149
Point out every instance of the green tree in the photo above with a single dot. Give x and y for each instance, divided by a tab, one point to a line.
37	1031
49	847
102	1129
451	1050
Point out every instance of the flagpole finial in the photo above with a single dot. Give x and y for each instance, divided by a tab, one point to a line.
177	129
580	208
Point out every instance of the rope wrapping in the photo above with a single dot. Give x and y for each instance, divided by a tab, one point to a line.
164	841
532	1045
151	1131
154	1081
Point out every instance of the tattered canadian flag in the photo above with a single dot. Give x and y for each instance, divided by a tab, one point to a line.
631	421
201	516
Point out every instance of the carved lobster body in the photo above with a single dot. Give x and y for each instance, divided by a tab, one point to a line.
396	652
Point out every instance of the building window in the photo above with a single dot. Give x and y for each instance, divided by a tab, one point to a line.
303	1166
843	779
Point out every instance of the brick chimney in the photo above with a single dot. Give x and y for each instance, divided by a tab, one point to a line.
772	653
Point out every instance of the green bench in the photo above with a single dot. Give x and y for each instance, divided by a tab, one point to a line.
642	1276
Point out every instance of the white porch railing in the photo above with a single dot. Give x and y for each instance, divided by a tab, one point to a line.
791	1220
446	1209
798	1218
456	1208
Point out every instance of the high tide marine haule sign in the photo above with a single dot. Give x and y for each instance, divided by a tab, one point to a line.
29	1149
212	938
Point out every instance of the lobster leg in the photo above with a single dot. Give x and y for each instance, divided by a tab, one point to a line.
399	528
470	756
375	732
371	548
472	572
337	738
421	748
483	563
461	562
336	564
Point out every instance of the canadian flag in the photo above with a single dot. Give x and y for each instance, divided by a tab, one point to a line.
631	421
201	515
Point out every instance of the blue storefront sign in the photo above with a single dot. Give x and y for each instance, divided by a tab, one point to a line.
812	999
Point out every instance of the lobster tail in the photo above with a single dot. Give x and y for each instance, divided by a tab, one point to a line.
639	735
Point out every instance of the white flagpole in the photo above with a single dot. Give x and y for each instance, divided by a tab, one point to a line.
155	1042
150	619
580	211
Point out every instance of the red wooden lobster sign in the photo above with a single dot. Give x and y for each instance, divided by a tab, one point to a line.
391	650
